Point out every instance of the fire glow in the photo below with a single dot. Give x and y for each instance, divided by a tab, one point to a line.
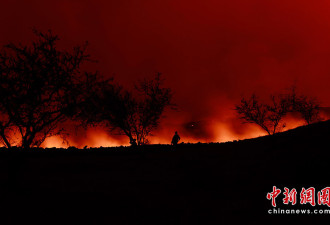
222	132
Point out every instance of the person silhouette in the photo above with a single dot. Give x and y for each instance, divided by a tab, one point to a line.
133	142
176	138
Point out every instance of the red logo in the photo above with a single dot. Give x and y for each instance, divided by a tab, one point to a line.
290	196
273	195
307	196
323	197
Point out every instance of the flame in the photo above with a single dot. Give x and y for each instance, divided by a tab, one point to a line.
223	131
100	138
224	134
94	138
167	140
54	142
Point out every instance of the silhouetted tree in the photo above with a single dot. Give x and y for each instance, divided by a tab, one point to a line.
135	116
278	108
41	86
268	116
307	107
149	109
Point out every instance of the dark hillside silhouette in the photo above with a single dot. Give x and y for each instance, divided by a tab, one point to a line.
191	184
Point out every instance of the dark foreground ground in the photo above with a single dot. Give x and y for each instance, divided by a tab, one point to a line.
190	184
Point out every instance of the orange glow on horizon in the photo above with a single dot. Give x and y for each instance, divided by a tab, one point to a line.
222	132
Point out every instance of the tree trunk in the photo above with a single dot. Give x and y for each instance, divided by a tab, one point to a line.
4	138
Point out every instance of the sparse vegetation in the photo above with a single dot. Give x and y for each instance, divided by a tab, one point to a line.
135	115
270	116
307	107
40	87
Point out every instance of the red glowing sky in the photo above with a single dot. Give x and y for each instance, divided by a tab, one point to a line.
211	52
